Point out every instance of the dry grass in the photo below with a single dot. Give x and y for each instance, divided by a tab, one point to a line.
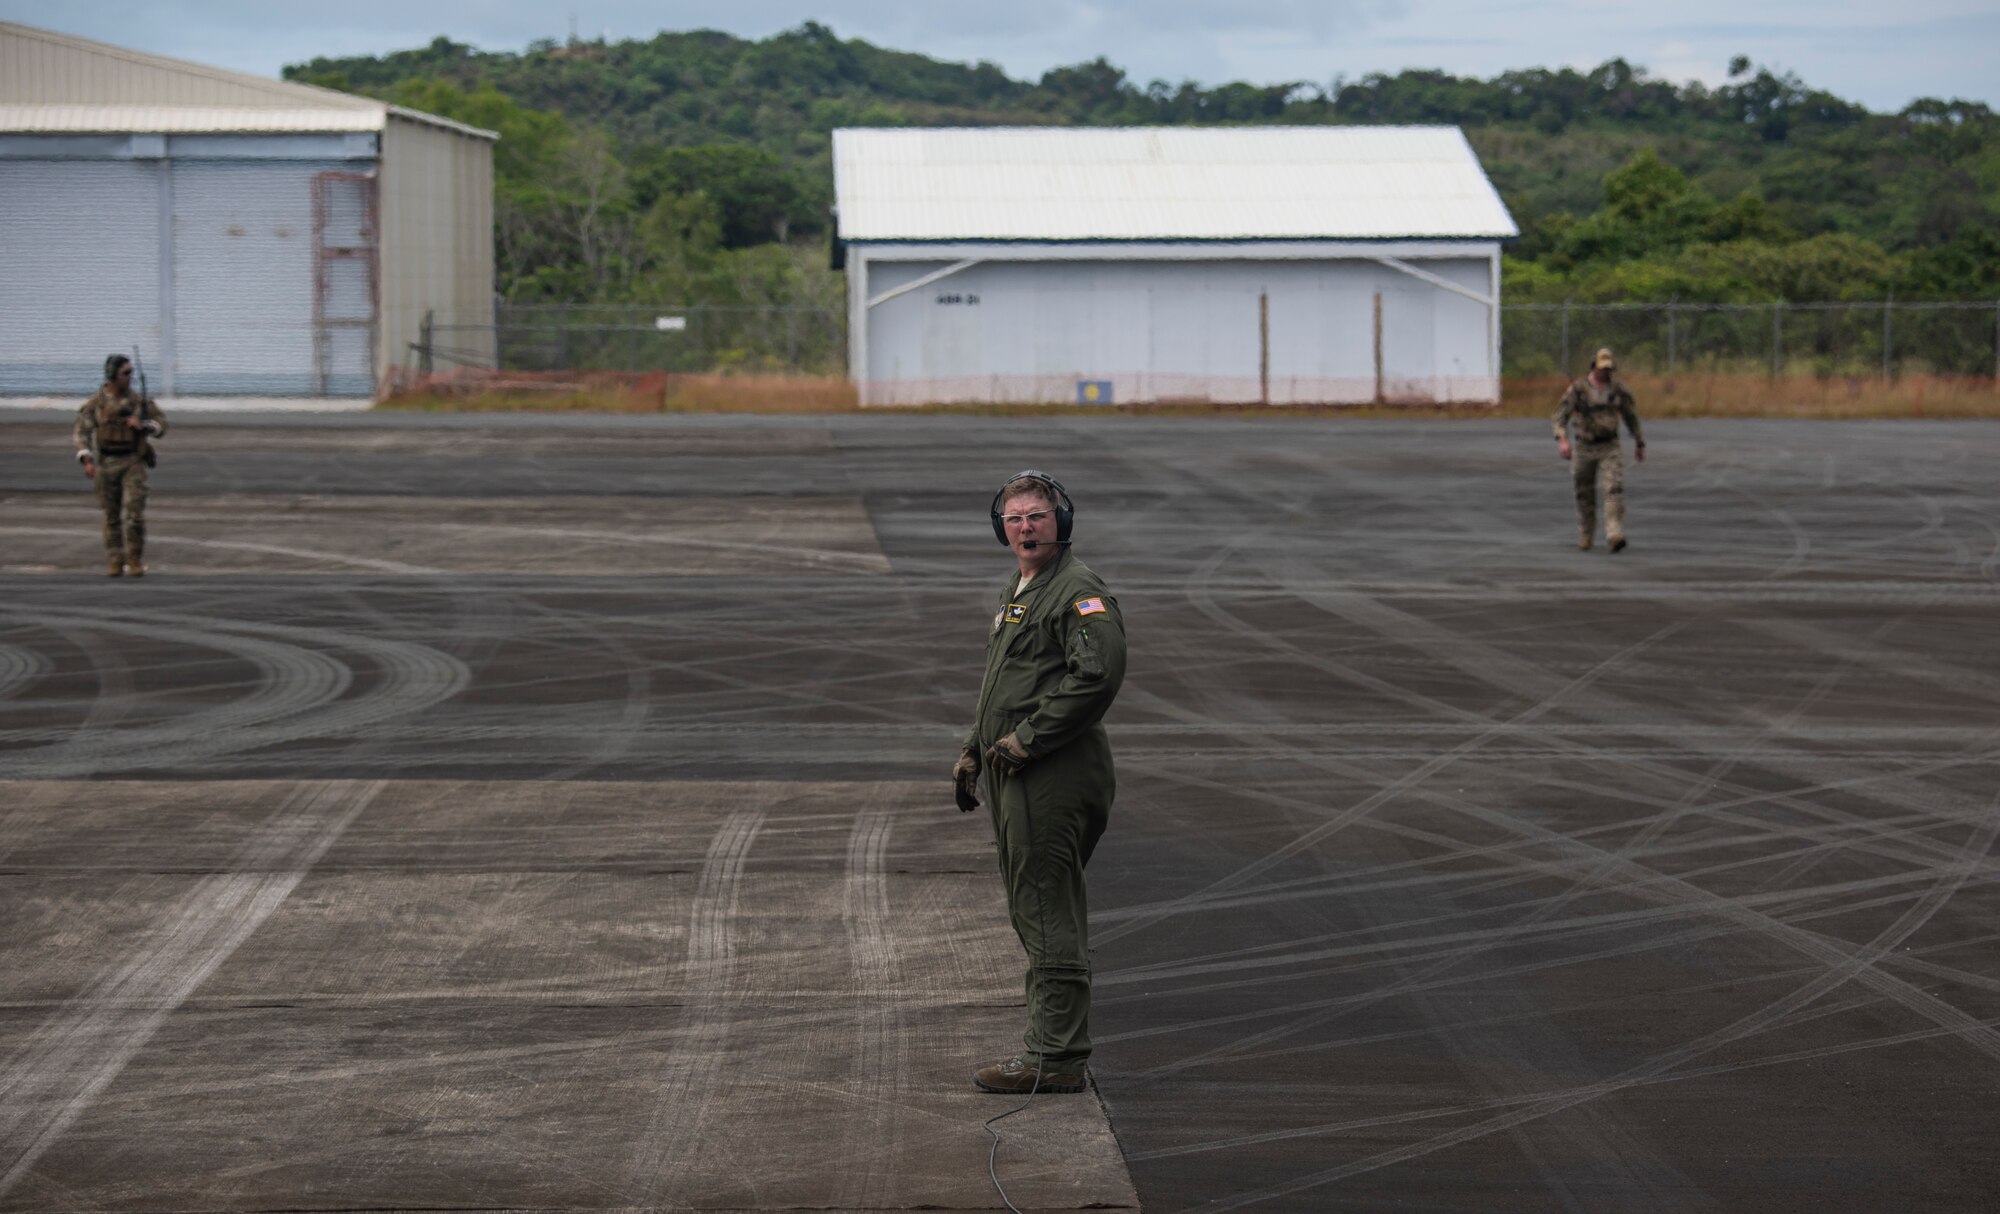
1787	396
619	392
1521	396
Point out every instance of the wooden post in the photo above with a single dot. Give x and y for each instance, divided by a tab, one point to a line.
1379	395
1264	347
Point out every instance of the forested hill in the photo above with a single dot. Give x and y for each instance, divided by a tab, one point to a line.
683	165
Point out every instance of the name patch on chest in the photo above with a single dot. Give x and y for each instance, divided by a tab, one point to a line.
1089	606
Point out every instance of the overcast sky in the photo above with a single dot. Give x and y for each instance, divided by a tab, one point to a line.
1882	55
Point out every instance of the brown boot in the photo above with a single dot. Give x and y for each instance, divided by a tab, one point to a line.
1618	545
1015	1077
114	567
1583	542
135	569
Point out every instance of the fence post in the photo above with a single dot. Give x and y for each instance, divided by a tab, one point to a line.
424	342
1670	337
1565	358
1887	305
1996	341
1264	343
1777	336
792	339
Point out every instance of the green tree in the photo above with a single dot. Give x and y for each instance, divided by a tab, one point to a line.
757	196
712	169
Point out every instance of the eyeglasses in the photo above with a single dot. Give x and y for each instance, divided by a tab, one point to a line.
1038	518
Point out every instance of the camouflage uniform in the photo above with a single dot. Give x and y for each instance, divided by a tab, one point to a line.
1597	463
122	456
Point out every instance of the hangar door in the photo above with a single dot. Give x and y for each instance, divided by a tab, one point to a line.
273	286
79	271
234	264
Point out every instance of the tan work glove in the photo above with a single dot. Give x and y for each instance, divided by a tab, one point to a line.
965	781
1008	756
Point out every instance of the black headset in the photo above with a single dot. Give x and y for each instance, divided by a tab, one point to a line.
1065	509
111	364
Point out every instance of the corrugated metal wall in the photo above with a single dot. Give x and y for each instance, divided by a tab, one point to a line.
346	272
79	270
437	240
244	284
241	265
1226	331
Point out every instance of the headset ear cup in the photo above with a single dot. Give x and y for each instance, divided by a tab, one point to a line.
999	528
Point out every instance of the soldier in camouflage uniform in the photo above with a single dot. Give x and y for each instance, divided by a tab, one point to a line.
1596	403
114	433
1055	657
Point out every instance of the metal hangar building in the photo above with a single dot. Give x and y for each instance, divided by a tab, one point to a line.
252	237
1240	264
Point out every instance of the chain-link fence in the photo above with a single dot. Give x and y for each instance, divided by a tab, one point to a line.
689	340
1883	339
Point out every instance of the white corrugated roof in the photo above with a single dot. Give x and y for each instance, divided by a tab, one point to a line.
182	119
1163	183
59	83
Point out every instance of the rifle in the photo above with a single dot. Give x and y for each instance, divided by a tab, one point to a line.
139	369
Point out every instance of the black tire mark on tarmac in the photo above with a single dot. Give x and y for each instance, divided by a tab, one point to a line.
298	694
1842	967
665	1164
86	1043
880	1060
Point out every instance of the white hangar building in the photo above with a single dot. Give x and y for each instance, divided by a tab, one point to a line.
252	237
1239	264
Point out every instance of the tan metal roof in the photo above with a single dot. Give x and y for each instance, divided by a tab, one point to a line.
66	83
1163	183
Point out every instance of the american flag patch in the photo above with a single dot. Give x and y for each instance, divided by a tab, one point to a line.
1089	606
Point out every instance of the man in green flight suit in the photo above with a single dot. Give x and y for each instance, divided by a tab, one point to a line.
1054	660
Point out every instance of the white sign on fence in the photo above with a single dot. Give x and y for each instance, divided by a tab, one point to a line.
670	324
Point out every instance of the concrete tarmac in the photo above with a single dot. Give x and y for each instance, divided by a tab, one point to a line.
549	813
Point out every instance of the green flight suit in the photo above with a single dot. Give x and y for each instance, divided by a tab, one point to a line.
1054	661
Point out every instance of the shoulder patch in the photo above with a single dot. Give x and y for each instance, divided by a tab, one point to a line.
1089	606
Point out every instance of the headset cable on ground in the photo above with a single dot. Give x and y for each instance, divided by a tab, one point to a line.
993	1155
